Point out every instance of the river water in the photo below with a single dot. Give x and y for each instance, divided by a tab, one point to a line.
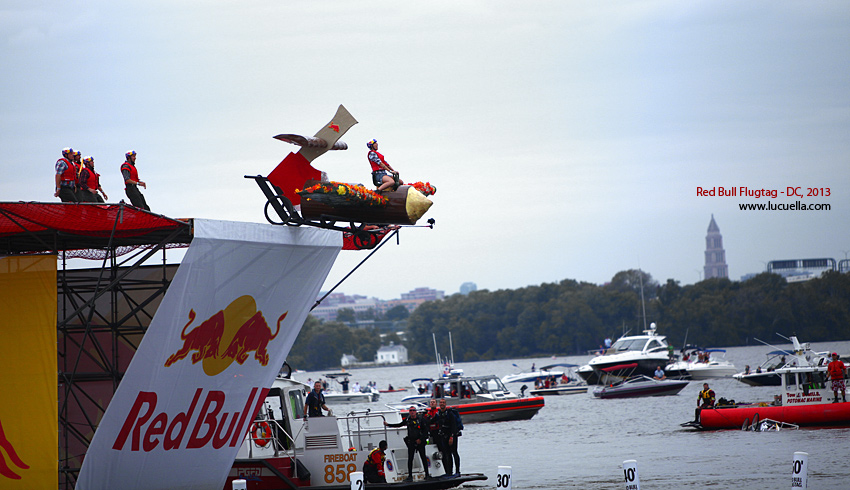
578	441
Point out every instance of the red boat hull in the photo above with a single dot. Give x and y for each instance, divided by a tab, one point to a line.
500	410
822	415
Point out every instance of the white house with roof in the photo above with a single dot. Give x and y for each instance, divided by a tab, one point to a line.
391	354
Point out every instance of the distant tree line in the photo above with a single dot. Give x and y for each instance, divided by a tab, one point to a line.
573	317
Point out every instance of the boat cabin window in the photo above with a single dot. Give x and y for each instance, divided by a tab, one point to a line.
654	345
791	381
628	344
296	404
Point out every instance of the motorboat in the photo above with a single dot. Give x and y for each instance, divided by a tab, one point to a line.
536	375
549	381
648	351
477	398
713	365
342	394
638	385
285	450
805	400
766	375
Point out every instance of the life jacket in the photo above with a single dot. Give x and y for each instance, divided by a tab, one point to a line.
134	174
707	396
375	166
70	173
93	180
375	460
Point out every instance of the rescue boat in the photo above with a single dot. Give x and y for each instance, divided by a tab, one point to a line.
283	450
806	400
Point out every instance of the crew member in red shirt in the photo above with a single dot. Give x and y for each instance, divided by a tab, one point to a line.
383	175
373	467
836	373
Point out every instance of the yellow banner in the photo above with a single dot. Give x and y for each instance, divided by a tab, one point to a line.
28	408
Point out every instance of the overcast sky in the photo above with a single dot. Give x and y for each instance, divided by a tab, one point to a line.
566	139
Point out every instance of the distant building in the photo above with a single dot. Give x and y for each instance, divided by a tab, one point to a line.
347	360
467	288
330	306
715	256
391	354
799	270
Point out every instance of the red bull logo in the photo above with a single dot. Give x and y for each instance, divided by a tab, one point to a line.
10	452
227	336
334	127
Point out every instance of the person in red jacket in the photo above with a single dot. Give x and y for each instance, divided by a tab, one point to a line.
373	467
66	177
90	182
836	373
383	175
132	182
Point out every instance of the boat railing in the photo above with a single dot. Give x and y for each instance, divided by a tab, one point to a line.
278	436
360	430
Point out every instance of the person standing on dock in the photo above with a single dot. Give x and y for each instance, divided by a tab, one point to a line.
417	433
835	368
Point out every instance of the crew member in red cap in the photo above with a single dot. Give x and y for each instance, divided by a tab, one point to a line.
835	368
132	182
66	177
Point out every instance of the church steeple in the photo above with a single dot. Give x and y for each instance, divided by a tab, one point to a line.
715	256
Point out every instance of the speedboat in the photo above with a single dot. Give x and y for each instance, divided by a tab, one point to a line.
716	366
334	396
285	450
536	375
549	381
639	385
805	400
477	398
647	351
766	375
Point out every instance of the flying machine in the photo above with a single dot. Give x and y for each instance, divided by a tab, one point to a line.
299	194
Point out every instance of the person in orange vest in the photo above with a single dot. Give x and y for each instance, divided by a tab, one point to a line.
836	373
90	182
66	177
77	160
373	467
383	175
132	182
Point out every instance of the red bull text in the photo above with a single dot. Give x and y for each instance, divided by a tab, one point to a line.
146	430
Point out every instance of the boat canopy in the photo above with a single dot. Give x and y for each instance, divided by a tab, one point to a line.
563	364
620	367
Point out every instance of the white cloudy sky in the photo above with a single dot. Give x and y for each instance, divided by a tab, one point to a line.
567	139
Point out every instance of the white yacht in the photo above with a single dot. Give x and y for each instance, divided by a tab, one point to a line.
648	351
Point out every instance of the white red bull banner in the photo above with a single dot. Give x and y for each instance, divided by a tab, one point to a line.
212	350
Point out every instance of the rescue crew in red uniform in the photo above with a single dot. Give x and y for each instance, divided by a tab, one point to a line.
132	182
66	177
835	368
90	182
381	170
373	467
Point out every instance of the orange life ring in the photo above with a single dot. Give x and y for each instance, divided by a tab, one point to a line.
261	433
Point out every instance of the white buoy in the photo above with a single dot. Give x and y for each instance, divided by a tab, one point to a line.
240	485
799	474
630	473
356	478
503	479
